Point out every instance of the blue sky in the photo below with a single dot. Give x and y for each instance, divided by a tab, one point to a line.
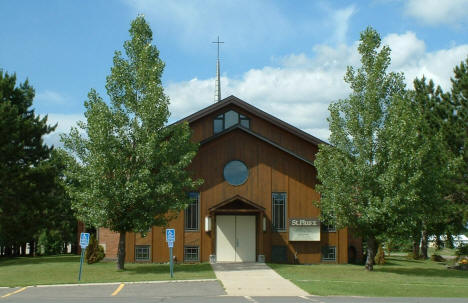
285	57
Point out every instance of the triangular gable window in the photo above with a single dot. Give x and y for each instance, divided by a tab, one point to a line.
229	119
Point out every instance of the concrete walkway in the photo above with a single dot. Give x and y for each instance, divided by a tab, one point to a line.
254	279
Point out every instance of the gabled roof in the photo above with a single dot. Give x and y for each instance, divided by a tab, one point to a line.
245	204
254	110
258	136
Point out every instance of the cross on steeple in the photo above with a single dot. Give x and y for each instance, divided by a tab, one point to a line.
218	77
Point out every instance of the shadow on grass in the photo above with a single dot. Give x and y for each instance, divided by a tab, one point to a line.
425	272
392	263
164	268
9	261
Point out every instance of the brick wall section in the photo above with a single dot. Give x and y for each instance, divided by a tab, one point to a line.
110	240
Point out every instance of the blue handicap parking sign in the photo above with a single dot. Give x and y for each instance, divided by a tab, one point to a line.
170	235
84	240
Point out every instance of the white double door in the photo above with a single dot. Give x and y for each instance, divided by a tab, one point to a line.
235	238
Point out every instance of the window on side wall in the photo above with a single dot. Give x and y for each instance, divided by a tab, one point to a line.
142	253
279	211
328	228
191	253
329	253
192	212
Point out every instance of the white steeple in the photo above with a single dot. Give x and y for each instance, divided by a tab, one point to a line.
217	96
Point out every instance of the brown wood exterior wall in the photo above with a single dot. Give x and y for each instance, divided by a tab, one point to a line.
270	170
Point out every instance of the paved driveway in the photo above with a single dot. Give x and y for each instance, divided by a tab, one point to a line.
174	292
254	279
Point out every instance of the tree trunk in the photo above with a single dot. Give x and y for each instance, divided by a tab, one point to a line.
371	244
449	241
424	240
121	251
416	243
416	249
8	250
74	248
23	249
437	242
33	248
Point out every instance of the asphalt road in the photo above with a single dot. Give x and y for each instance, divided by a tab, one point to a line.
174	292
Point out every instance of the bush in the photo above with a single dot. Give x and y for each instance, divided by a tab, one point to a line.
462	250
379	258
412	256
437	258
94	252
50	242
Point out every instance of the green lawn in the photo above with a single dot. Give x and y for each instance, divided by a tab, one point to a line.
398	278
26	271
443	252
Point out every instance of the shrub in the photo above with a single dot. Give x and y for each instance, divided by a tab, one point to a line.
51	242
412	256
379	258
437	258
94	252
462	250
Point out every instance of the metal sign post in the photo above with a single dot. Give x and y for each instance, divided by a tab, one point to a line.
84	241
170	239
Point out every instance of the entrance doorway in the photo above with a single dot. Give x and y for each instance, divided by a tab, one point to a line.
235	238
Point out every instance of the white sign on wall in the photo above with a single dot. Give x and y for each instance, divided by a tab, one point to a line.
304	229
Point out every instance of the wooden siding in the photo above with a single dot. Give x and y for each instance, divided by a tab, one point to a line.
270	170
203	129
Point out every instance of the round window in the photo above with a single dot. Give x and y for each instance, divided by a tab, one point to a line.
235	172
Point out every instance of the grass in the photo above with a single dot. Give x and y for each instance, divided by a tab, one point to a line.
430	251
397	278
25	271
443	252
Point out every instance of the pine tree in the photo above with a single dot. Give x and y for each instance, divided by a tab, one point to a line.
21	152
419	165
456	134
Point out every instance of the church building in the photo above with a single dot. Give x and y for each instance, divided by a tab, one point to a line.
257	202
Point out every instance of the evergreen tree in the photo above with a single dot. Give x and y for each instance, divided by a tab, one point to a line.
419	165
21	152
351	168
131	172
60	224
456	136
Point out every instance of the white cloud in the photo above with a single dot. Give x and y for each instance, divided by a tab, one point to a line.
435	12
300	89
64	123
410	57
50	97
340	19
406	49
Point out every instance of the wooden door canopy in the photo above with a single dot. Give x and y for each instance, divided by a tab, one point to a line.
237	204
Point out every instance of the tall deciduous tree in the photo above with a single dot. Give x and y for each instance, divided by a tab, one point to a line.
131	169
22	150
351	167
